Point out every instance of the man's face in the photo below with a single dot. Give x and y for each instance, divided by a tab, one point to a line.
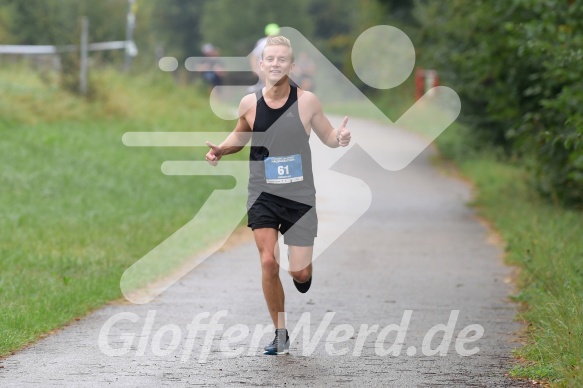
276	62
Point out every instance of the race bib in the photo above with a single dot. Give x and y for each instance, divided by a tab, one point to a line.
283	169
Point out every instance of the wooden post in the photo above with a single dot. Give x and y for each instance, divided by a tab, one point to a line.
84	55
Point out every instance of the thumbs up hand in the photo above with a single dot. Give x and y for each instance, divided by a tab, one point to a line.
343	134
214	155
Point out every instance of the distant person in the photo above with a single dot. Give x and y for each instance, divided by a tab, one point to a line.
212	67
271	29
305	70
279	119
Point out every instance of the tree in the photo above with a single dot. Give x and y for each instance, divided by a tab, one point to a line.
235	31
56	22
517	67
176	25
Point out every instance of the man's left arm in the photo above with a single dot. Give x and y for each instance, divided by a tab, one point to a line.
330	136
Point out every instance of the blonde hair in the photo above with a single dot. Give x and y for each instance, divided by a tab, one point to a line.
279	40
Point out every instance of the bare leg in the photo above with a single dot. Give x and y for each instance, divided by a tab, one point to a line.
266	240
300	263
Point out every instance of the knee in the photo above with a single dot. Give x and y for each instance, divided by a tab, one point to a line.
301	276
268	265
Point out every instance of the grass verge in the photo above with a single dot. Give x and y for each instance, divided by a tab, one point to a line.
542	239
545	241
78	207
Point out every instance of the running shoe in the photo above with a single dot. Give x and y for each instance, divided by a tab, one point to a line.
279	345
303	287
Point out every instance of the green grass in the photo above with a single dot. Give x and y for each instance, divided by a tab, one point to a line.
546	242
77	206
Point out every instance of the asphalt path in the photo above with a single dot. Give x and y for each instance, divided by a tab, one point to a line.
415	258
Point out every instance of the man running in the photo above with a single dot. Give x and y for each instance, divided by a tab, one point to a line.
278	119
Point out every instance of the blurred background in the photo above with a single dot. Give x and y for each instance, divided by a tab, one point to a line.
77	207
506	59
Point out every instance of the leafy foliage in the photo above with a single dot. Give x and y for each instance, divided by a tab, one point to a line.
236	31
517	67
176	24
55	22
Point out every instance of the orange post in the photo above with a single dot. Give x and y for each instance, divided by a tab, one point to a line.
419	83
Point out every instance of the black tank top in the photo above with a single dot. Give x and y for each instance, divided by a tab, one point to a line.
282	135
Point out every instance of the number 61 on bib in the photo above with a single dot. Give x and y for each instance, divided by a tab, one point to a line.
283	169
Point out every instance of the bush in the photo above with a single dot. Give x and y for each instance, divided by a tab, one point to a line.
517	67
553	133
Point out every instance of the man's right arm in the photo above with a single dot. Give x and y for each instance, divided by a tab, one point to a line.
236	139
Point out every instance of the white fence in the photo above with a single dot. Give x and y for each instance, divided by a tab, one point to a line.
128	45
